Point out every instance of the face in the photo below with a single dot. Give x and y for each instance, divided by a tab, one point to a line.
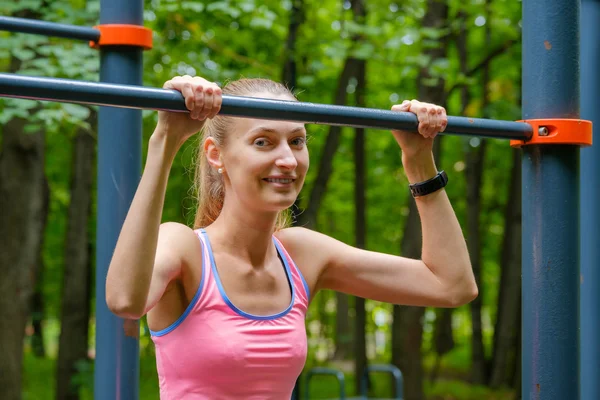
265	162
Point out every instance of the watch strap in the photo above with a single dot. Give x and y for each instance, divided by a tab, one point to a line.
429	186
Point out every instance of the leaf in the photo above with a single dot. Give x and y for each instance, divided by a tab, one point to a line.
306	80
23	54
32	128
77	111
225	7
247	6
193	6
364	51
260	22
335	51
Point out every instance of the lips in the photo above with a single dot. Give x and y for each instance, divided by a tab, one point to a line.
279	180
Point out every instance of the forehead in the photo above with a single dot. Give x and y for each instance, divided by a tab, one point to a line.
245	126
248	126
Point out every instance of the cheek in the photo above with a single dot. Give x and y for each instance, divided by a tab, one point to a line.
304	161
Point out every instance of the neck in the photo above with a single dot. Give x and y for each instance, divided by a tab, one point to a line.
245	234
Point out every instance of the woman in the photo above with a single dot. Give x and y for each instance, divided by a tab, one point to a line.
226	302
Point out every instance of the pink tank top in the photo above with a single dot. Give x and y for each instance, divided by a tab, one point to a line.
216	351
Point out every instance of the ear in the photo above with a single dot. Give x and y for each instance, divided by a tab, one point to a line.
213	153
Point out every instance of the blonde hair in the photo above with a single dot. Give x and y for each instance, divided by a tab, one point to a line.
209	185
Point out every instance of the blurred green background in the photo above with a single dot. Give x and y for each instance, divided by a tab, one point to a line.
464	55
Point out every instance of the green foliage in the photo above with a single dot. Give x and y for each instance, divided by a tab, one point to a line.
226	39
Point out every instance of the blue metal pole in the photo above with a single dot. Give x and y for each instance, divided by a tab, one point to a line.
550	278
116	374
34	26
590	194
68	90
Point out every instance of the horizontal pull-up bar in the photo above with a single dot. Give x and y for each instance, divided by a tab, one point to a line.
129	96
24	25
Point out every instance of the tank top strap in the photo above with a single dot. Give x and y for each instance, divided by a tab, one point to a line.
300	285
210	291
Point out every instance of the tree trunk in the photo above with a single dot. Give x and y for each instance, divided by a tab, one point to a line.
343	332
443	339
308	217
480	365
508	321
22	219
75	306
289	73
360	220
474	171
407	327
37	300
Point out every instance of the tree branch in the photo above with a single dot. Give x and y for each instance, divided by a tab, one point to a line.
486	61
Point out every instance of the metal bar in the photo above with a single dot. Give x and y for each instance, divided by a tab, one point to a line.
160	99
23	25
550	199
590	213
116	374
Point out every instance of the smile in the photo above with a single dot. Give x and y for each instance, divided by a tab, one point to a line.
279	180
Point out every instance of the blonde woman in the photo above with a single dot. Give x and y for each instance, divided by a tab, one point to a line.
226	301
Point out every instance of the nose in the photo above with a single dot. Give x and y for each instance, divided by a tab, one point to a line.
286	158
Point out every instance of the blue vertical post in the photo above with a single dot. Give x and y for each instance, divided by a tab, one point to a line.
116	374
590	194
550	277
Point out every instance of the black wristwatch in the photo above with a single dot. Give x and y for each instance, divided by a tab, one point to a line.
429	186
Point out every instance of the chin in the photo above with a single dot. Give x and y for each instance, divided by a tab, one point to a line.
281	203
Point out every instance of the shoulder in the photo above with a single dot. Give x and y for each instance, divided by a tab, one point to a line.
178	243
298	239
176	233
311	251
303	239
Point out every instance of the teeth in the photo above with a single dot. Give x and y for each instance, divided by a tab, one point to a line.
279	180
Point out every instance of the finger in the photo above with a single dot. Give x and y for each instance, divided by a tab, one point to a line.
444	118
188	94
208	101
424	120
434	122
217	101
439	119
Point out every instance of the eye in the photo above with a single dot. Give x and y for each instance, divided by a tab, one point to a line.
262	142
299	141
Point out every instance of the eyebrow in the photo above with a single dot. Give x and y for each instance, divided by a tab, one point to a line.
271	130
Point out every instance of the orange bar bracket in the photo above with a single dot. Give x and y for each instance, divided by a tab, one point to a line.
123	35
557	131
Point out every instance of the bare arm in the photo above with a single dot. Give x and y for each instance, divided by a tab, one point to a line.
132	268
149	256
442	277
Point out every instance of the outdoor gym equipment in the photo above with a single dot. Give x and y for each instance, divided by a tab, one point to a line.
550	137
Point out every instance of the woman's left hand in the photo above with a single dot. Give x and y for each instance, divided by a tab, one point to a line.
432	120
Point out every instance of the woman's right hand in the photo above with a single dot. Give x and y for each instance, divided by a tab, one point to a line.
203	100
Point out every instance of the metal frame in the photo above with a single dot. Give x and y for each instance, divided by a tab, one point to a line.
129	96
590	213
116	373
551	184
